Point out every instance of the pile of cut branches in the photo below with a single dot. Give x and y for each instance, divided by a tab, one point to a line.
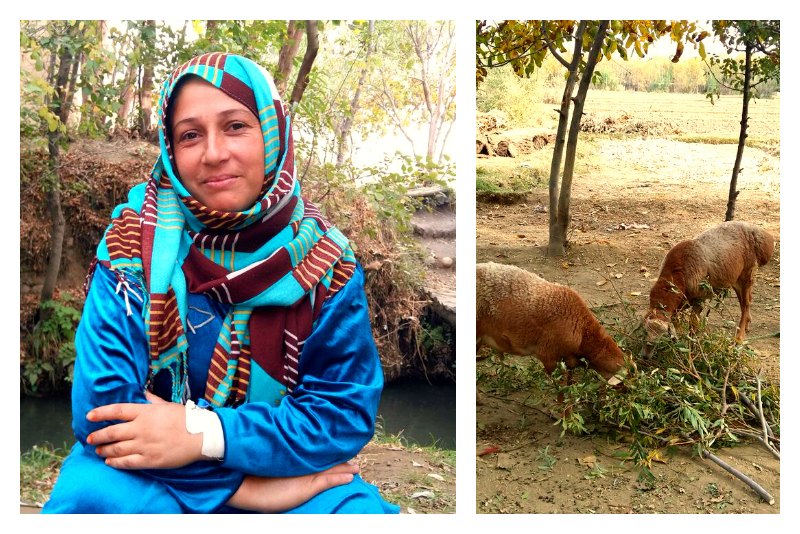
628	124
700	390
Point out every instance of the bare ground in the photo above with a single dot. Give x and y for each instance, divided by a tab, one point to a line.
677	190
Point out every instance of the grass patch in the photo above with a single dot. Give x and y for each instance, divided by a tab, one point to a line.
515	176
750	142
38	471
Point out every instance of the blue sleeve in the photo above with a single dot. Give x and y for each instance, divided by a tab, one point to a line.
111	366
331	414
112	361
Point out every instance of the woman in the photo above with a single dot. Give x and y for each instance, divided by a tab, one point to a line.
217	284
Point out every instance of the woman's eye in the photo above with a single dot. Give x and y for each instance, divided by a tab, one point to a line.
188	136
237	126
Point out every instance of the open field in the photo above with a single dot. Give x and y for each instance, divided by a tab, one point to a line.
672	190
694	113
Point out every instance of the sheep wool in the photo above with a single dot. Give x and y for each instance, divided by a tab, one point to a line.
520	313
726	256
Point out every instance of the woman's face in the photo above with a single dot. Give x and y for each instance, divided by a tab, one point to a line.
218	147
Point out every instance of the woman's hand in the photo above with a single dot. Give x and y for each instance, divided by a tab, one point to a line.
154	436
273	495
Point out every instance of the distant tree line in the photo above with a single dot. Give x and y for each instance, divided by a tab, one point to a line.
653	75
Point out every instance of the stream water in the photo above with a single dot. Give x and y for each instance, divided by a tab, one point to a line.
424	414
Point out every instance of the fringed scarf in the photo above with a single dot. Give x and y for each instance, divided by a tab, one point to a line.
275	263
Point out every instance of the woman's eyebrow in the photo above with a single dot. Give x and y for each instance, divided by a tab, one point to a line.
221	114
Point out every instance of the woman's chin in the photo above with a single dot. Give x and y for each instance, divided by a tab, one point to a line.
231	205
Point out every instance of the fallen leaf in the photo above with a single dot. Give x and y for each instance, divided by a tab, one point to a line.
489	450
610	264
588	461
411	510
436	477
565	265
635	293
618	275
501	256
521	236
415	464
419	494
602	282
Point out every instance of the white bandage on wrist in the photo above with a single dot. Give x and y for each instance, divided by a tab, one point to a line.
206	422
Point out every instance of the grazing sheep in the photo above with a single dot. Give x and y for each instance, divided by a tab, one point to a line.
724	256
520	313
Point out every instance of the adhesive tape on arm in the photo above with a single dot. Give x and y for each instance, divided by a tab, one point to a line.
206	422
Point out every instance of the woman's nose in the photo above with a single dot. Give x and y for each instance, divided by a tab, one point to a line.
216	149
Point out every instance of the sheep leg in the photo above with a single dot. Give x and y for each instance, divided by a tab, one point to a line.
744	292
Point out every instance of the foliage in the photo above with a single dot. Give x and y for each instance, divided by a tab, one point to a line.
517	97
52	347
414	83
675	399
525	44
40	43
740	36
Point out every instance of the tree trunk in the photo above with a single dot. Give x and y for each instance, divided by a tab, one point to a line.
312	48
732	192
344	132
294	34
556	243
572	143
146	89
59	106
211	32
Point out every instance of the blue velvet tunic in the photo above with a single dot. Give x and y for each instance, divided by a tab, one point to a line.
326	420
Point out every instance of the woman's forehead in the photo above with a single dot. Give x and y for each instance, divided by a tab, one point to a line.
196	95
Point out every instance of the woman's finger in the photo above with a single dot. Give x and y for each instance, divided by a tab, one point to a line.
153	398
133	461
324	482
117	450
345	467
110	434
115	412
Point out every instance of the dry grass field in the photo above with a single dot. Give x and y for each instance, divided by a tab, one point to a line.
694	113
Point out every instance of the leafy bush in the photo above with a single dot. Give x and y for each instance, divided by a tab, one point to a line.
52	347
371	207
519	98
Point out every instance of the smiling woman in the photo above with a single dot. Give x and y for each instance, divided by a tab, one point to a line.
218	286
218	146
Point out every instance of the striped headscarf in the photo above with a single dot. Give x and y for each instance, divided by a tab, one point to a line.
274	263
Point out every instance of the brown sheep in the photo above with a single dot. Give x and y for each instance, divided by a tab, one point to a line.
724	256
520	313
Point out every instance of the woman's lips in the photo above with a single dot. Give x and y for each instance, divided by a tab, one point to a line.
219	182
